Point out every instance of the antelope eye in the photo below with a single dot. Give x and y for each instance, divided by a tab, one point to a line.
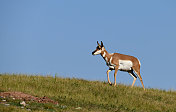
98	48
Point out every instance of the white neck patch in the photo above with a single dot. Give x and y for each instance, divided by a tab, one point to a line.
106	59
110	60
104	54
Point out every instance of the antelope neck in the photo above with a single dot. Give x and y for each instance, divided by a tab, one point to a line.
105	55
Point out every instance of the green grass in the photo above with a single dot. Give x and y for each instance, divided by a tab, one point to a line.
77	95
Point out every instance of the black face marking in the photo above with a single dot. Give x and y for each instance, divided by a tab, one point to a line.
98	47
93	52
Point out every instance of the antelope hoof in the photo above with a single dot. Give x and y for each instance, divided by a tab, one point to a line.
110	83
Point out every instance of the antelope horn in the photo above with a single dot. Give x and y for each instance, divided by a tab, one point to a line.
98	43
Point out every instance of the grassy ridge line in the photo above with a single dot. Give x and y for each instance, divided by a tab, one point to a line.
89	95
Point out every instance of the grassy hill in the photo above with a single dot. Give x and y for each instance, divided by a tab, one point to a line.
83	96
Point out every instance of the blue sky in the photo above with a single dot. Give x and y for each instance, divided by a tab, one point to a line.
52	36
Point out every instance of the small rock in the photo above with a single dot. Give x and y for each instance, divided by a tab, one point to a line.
28	109
78	108
63	106
23	103
6	104
3	100
13	98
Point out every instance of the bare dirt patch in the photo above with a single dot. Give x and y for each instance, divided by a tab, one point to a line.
27	97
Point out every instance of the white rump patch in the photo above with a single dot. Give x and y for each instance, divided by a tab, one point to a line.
125	65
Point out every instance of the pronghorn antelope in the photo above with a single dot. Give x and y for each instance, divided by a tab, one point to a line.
116	61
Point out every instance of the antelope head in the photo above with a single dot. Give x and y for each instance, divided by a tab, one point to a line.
98	49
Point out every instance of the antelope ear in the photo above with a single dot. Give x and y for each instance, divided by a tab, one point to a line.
98	43
102	44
